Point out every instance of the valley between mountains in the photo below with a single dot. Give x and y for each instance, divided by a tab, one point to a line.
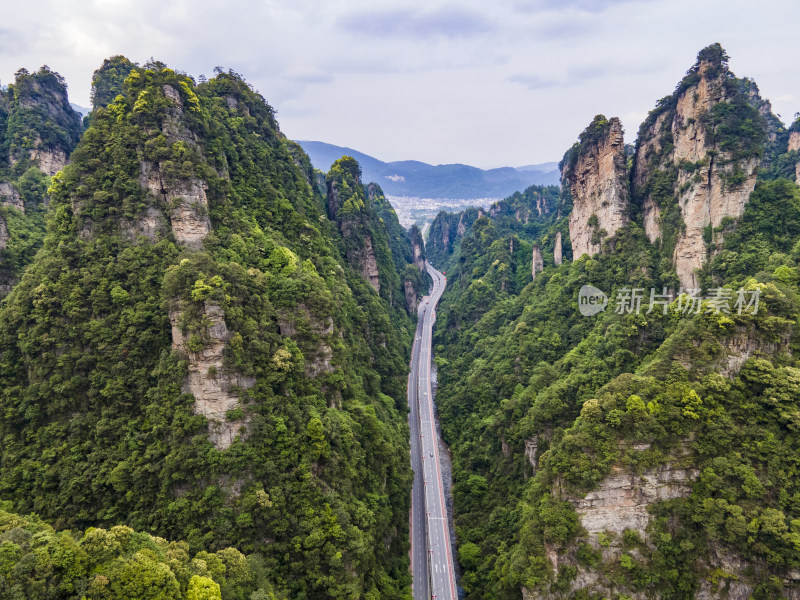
215	359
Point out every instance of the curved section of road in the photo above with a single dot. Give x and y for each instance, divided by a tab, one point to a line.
432	555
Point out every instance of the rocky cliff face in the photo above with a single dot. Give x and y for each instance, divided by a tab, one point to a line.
3	234
794	141
9	196
209	381
367	263
537	262
596	176
347	205
617	505
445	232
691	157
417	250
185	198
620	501
42	126
557	251
38	131
415	279
50	161
411	296
794	146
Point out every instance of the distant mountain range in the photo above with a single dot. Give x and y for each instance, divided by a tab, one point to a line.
80	109
412	178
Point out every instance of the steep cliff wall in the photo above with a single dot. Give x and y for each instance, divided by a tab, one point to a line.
696	161
182	198
445	232
417	248
347	205
9	196
557	251
794	141
617	509
3	234
794	146
42	126
209	381
537	262
595	173
38	131
221	367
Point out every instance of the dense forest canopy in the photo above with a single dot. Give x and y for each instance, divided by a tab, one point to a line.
192	355
204	346
680	424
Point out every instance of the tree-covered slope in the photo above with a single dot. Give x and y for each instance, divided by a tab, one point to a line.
633	453
523	214
192	354
39	563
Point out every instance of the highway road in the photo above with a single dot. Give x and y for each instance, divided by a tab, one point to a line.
431	553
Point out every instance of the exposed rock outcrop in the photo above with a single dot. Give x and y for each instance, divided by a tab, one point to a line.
794	141
411	297
52	126
49	160
596	177
208	381
185	198
353	219
445	232
557	250
732	351
186	201
367	263
651	217
9	196
537	262
620	501
745	343
152	224
417	252
681	146
3	234
531	450
541	205
794	146
728	577
708	199
460	229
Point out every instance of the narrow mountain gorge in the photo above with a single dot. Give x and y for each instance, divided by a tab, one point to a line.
208	347
648	450
205	345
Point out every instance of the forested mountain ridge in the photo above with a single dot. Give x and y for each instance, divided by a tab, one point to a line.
38	131
523	211
648	450
194	355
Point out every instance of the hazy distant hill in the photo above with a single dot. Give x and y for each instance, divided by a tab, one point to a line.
419	179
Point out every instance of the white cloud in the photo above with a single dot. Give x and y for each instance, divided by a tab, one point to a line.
489	84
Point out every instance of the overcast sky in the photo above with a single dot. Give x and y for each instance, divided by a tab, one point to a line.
488	83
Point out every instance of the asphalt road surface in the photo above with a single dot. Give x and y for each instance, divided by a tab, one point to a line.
431	553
